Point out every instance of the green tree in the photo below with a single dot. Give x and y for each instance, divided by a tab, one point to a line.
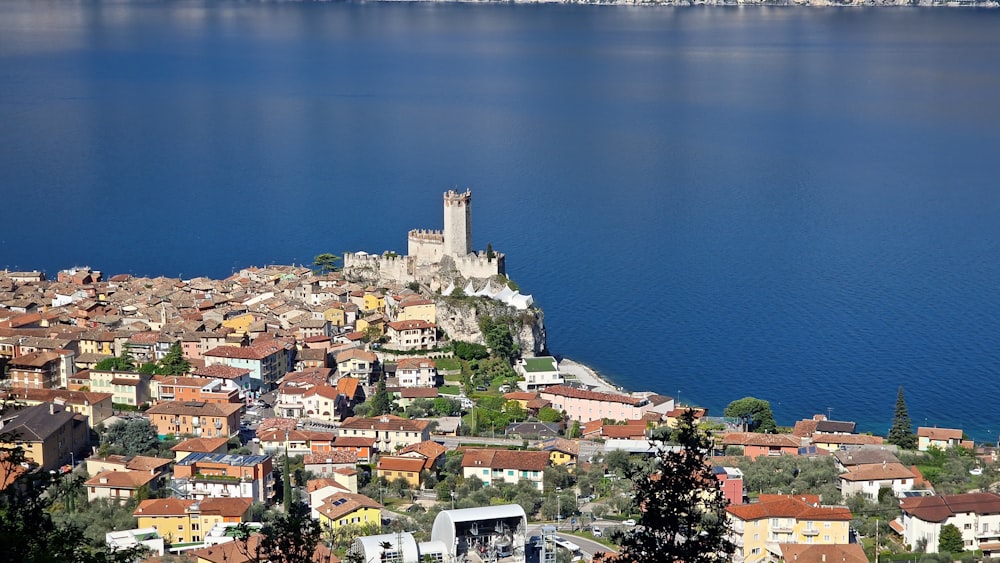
497	333
682	508
136	436
901	434
326	262
381	401
755	413
28	532
116	363
290	537
174	362
549	414
950	540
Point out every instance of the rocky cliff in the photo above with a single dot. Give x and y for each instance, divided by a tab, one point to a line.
459	318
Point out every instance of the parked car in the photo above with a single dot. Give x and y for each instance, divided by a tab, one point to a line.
629	522
596	530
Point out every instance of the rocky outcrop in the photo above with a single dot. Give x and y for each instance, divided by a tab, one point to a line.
459	318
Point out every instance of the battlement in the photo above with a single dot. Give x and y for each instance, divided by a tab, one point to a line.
453	198
428	235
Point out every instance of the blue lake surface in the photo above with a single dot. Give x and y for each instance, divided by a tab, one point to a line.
796	204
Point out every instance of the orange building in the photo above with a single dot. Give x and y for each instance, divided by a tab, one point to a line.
195	418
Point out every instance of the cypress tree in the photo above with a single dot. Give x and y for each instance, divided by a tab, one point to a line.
683	509
901	434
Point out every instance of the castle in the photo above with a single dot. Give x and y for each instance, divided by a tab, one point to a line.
435	257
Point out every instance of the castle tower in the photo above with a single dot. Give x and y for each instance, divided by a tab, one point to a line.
457	223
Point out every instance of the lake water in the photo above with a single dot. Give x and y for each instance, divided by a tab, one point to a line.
796	204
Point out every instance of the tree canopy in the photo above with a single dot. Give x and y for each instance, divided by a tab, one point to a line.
682	507
136	436
755	413
174	362
326	262
950	539
901	434
116	363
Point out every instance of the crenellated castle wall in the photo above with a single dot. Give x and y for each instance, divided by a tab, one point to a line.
425	246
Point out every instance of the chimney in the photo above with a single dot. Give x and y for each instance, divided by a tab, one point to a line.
52	408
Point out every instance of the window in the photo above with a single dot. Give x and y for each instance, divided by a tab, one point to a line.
967	526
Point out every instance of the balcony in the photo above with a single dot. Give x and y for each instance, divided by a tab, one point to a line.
782	529
810	532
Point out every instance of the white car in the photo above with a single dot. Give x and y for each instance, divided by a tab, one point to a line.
629	522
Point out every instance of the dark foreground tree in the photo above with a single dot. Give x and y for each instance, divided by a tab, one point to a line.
683	509
755	413
27	532
289	538
901	434
950	540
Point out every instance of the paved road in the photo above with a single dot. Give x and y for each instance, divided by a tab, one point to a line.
588	547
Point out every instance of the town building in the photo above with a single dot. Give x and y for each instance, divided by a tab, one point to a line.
50	435
411	335
97	407
976	515
195	418
505	466
941	438
391	433
538	373
222	475
585	406
347	509
187	520
417	372
758	529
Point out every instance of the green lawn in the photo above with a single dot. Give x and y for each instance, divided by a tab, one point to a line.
449	390
448	364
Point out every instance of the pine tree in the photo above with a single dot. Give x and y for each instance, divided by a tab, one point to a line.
950	540
381	401
682	505
901	434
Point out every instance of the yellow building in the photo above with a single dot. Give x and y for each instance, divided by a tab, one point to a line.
760	528
185	521
97	342
50	435
347	509
417	309
374	322
336	314
373	302
240	323
561	451
408	468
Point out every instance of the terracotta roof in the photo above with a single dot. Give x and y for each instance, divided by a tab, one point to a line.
221	371
755	439
560	445
195	408
427	448
232	507
411	325
506	459
943	434
418	392
356	353
877	472
256	352
384	423
818	553
788	507
353	442
520	396
339	505
939	508
121	479
229	552
162	507
69	397
847	439
200	445
864	456
394	463
347	386
332	457
416	363
574	393
317	484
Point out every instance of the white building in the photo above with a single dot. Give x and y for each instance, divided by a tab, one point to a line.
870	478
125	539
976	515
495	530
538	372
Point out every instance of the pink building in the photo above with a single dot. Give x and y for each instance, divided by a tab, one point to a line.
591	405
731	483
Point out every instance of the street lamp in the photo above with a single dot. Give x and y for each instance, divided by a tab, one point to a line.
558	506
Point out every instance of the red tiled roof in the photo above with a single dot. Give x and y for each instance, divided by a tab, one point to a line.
506	459
943	434
416	363
755	439
394	463
574	393
353	442
411	325
200	445
338	457
779	506
384	423
939	508
221	371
